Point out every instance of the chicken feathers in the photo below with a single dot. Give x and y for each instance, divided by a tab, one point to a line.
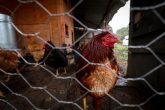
101	73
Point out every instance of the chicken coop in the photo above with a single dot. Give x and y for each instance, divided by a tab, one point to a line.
37	87
32	18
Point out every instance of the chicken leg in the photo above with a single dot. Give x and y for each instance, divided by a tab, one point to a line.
7	79
57	72
97	103
85	103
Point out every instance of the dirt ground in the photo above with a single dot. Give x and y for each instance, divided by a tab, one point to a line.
67	90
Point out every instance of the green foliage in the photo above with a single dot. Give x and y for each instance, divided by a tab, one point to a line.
121	47
121	52
123	32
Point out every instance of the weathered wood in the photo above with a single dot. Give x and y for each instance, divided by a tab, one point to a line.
147	29
32	18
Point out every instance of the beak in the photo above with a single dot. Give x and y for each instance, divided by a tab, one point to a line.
117	38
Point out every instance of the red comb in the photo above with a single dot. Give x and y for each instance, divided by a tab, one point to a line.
109	40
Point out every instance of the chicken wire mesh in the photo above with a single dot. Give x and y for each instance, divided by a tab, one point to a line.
43	90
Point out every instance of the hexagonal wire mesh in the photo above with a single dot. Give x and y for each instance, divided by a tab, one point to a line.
72	79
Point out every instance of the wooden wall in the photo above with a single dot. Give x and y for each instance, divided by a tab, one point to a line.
31	18
145	27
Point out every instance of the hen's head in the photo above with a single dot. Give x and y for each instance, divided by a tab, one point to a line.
98	50
108	39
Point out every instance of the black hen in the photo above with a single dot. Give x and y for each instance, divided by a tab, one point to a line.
54	58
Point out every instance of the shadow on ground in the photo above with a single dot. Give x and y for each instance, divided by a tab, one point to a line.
64	94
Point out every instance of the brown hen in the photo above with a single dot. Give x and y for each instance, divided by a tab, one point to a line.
99	79
33	46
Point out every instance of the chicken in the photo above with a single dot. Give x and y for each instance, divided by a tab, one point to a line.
34	47
9	60
37	51
9	63
97	78
54	58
